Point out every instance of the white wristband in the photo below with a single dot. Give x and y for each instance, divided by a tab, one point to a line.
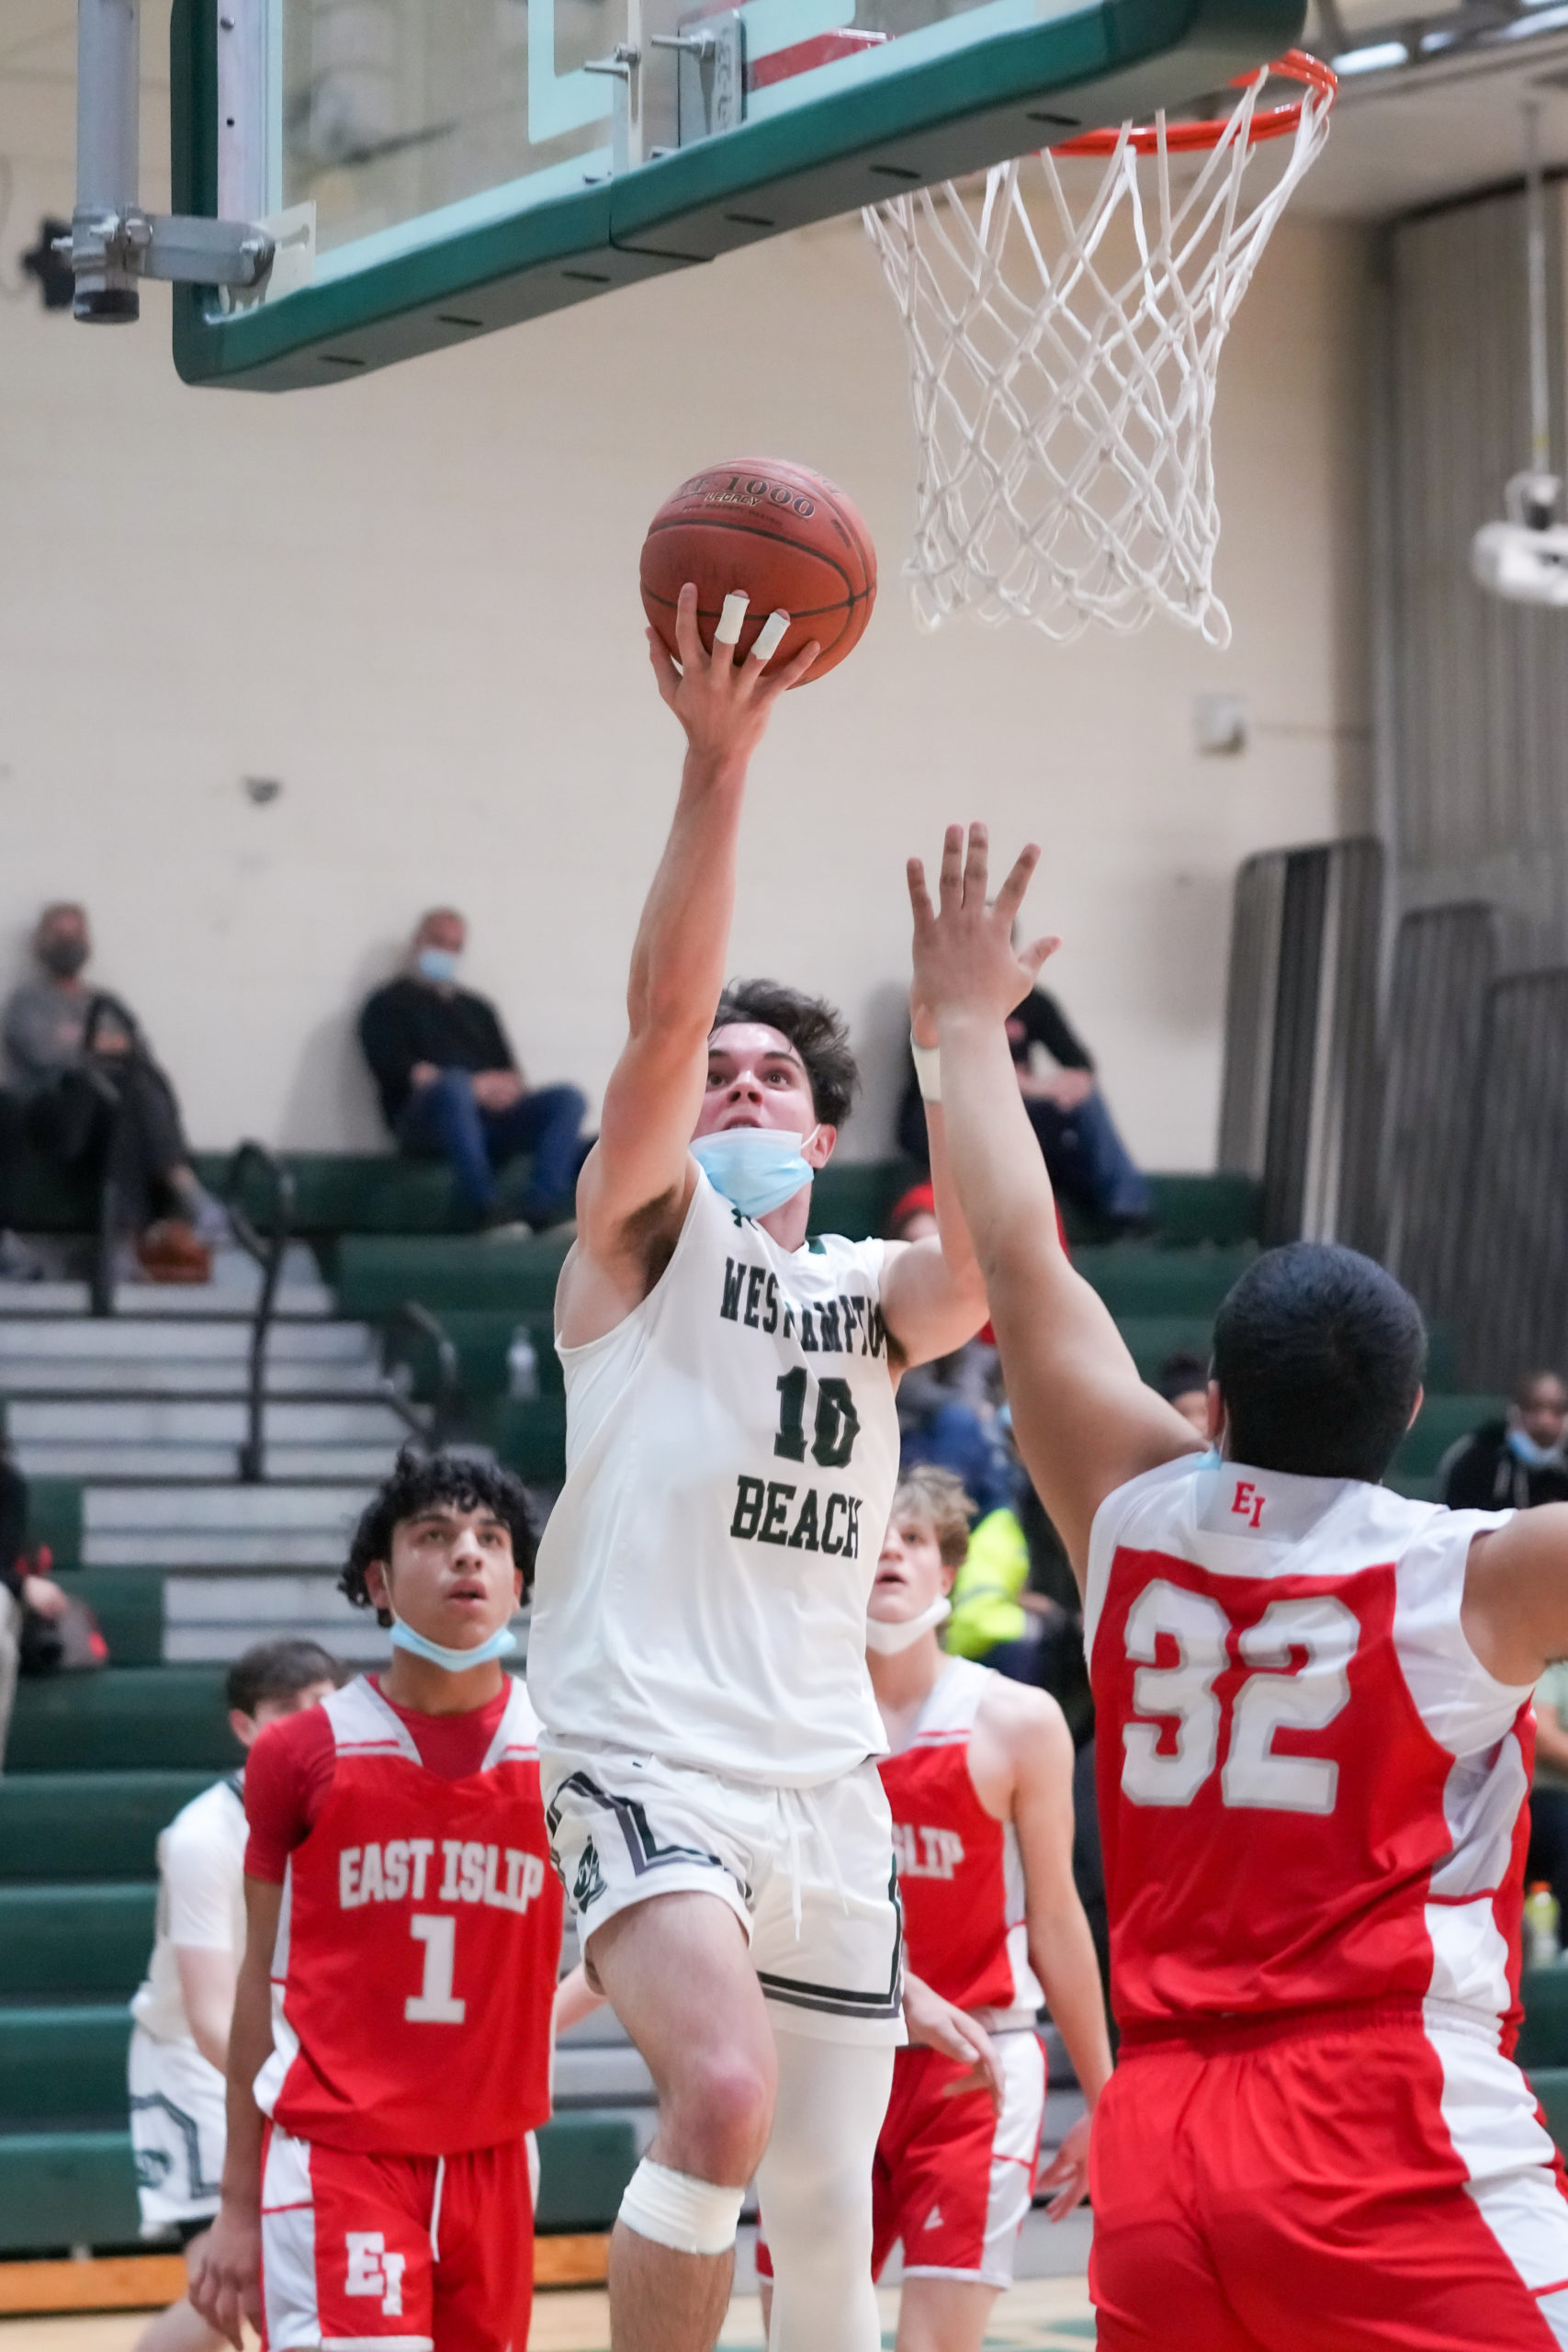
928	1069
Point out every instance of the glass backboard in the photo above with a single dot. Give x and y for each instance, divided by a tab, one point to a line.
436	169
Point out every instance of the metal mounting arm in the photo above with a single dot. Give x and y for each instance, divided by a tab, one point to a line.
113	242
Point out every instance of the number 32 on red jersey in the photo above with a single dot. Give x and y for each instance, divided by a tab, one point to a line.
1298	1654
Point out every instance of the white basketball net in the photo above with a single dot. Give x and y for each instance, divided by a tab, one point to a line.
1066	472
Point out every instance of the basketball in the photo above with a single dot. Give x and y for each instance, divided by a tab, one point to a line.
785	537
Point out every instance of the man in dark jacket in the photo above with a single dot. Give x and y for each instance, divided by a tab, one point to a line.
1515	1463
450	1086
1088	1162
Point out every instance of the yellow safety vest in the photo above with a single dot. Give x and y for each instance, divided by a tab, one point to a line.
984	1593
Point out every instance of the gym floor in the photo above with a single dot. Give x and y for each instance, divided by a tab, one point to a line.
1040	2315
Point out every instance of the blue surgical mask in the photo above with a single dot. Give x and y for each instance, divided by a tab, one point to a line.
502	1643
757	1169
438	964
1523	1448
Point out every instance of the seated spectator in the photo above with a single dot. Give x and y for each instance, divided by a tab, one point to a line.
94	1101
20	1590
179	2041
946	1417
451	1089
1090	1163
1183	1381
1514	1463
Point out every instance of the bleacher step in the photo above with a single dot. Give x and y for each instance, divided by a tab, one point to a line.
66	1827
76	1938
168	1717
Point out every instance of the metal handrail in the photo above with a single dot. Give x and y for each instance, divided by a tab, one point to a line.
267	1248
436	1425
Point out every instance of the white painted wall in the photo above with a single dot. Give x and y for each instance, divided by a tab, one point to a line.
414	600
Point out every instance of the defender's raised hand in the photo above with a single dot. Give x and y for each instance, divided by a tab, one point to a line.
964	951
724	705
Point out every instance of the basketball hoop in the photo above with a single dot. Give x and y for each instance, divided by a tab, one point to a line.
1065	471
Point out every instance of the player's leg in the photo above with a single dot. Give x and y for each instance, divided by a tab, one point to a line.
481	2236
1151	2277
1391	2184
677	1971
176	2136
346	2248
815	2183
826	1946
963	2186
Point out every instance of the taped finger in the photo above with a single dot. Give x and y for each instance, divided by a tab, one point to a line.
732	618
771	637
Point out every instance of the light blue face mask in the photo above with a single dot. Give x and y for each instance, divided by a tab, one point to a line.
437	965
1523	1448
502	1643
757	1169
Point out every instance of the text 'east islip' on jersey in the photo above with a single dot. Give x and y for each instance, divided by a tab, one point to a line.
417	1946
960	1872
732	1449
1310	1788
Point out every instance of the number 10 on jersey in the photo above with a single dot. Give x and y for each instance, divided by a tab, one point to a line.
1278	1694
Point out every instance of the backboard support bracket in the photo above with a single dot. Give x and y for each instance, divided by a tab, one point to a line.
113	242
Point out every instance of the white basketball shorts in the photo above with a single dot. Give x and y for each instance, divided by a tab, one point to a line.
808	1873
177	2133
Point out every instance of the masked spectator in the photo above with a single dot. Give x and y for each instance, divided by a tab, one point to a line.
94	1101
1517	1463
451	1088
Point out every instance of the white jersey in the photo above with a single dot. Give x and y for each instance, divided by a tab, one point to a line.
201	1901
732	1449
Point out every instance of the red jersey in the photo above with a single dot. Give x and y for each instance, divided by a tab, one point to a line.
960	1875
421	1928
1310	1789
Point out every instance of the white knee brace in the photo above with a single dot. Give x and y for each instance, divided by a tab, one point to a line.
676	2209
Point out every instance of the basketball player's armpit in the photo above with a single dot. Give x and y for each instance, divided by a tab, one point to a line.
1515	1614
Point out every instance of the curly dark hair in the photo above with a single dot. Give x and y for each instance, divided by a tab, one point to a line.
815	1028
423	1481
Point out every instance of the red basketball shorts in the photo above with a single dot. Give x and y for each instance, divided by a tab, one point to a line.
953	2179
1374	2182
396	2253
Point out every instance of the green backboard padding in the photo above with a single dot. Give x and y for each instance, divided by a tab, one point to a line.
60	2190
586	2157
61	1940
73	1825
887	124
62	2061
171	1716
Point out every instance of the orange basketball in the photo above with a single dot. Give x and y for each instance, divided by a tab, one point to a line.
785	537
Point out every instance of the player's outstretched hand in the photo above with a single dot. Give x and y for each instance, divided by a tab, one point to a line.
223	2269
964	950
1067	2173
724	705
936	2024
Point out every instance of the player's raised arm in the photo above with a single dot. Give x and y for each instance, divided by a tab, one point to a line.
1084	1420
636	1181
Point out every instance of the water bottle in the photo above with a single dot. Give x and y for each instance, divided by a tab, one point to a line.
1542	1920
521	1366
